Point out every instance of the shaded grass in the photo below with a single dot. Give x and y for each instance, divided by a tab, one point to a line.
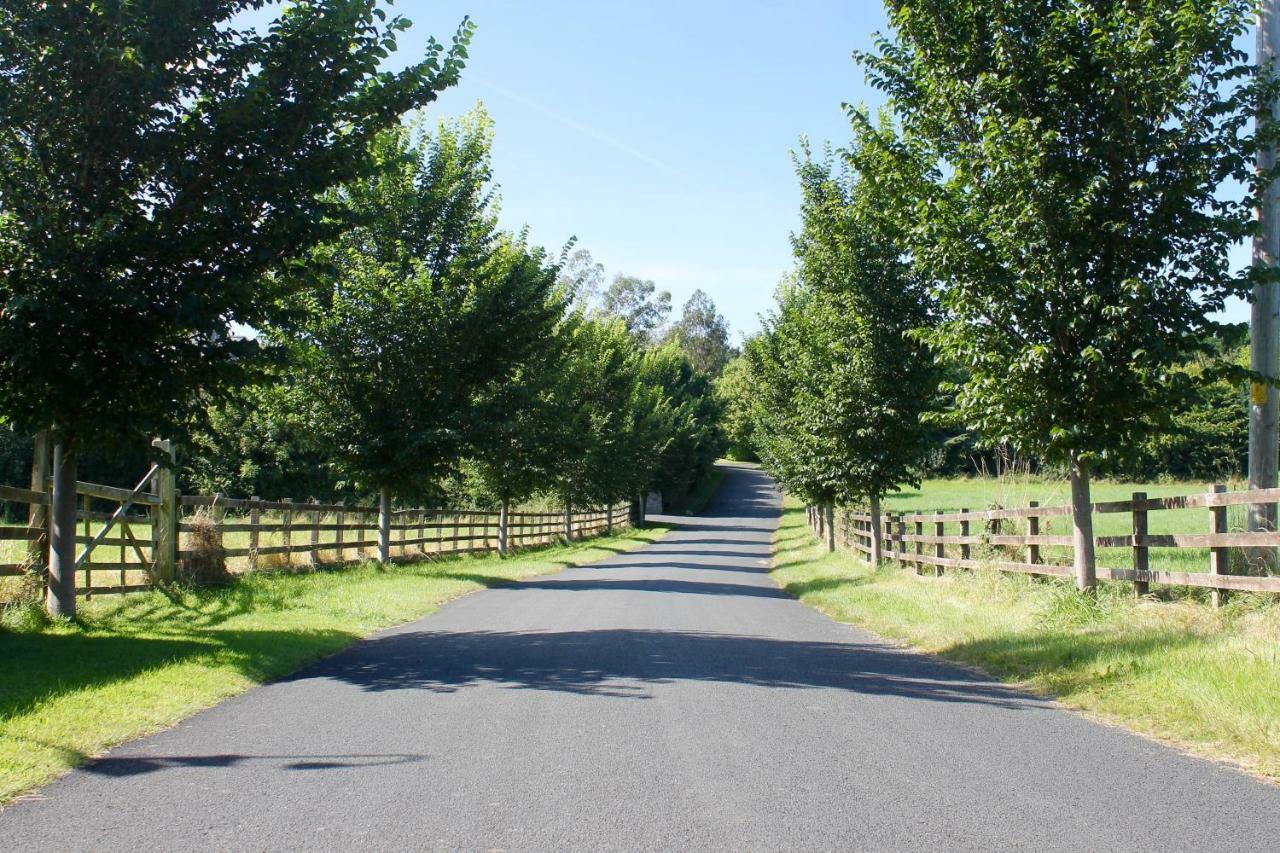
134	664
1205	680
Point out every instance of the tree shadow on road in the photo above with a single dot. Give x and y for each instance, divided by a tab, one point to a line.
628	663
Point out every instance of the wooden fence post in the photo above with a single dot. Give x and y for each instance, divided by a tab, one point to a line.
85	505
286	532
966	551
255	518
1033	529
919	546
1141	556
339	519
1218	557
939	549
315	534
219	513
38	513
164	526
504	517
384	526
568	523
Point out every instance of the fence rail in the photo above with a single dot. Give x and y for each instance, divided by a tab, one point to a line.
155	534
1010	540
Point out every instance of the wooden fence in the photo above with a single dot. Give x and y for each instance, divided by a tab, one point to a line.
129	540
1013	540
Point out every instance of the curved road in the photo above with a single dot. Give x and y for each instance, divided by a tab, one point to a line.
670	698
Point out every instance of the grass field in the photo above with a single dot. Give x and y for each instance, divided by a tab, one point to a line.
977	493
1206	680
138	663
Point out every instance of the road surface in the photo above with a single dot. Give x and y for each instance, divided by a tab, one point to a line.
667	699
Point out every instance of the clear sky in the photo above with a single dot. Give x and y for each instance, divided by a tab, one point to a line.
658	133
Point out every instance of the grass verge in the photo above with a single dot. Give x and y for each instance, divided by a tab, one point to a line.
136	664
1204	680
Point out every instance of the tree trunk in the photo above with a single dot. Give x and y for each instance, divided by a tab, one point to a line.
568	523
38	514
503	515
877	533
384	526
831	527
1082	526
60	592
819	518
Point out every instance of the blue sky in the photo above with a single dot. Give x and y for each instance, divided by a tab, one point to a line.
658	133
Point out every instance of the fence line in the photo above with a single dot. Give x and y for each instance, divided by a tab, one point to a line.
163	533
947	540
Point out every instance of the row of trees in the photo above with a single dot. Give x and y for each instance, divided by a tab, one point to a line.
1028	245
228	237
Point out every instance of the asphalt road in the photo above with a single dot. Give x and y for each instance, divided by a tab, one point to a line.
671	698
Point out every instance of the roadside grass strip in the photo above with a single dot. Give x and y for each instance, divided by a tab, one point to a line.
136	664
1204	680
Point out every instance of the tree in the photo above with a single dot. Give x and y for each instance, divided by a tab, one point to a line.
703	334
427	309
877	377
583	279
734	388
640	305
692	439
153	168
1073	223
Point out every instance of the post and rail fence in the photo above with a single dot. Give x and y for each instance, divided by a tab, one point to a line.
1015	541
130	540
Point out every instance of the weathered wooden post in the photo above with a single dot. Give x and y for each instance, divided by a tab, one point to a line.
315	534
164	528
504	515
965	550
219	514
255	518
1141	555
1033	529
384	526
919	546
939	549
38	512
286	530
1218	557
339	519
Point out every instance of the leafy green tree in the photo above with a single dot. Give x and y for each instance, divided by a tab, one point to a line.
1073	223
703	334
427	309
640	305
734	389
690	413
155	163
880	379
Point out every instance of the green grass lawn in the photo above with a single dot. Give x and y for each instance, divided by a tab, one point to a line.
138	663
1206	680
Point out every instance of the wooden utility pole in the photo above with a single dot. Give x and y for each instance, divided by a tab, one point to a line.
1264	402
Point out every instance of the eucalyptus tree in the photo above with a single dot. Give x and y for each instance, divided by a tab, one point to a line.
703	334
153	168
427	308
878	379
638	302
1074	223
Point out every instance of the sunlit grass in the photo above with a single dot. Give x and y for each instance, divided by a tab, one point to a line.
1207	680
138	663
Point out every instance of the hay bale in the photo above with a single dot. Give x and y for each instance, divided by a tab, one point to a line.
204	561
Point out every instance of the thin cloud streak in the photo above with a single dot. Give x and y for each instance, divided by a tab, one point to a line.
585	130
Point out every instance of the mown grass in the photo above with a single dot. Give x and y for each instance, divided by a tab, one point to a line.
135	664
1206	680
